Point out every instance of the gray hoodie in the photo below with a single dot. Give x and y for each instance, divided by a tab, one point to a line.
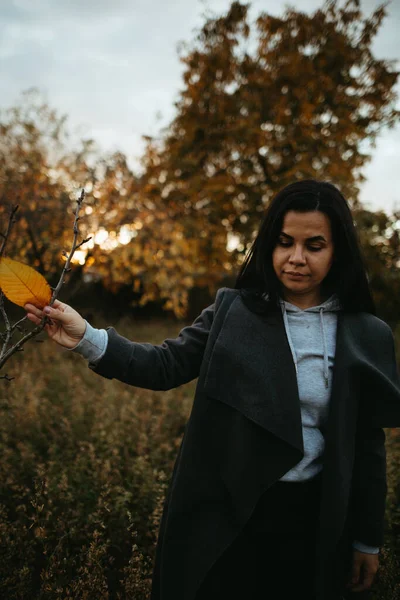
311	335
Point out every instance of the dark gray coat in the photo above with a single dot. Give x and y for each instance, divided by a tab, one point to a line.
244	433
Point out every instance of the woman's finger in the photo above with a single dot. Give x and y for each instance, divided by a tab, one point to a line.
56	313
37	310
59	305
32	309
33	318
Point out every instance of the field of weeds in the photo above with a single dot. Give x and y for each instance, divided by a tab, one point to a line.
85	464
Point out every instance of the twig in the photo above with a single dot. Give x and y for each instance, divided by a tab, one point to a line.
6	377
8	332
11	221
5	236
75	246
17	324
5	355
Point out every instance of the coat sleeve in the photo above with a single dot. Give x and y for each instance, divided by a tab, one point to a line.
381	384
159	367
369	486
380	409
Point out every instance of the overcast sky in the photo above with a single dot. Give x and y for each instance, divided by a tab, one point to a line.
112	66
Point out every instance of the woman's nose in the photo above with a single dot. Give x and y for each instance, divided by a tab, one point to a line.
297	256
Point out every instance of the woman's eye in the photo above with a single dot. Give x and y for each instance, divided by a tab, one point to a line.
286	244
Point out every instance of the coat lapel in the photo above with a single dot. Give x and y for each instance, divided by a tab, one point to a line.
339	433
251	368
338	458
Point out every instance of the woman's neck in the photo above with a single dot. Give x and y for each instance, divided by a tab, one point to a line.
306	301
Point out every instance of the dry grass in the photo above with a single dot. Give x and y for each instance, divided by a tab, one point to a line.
83	475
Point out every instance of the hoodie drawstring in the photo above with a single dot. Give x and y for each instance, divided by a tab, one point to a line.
285	320
326	368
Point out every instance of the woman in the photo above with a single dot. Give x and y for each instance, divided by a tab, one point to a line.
279	487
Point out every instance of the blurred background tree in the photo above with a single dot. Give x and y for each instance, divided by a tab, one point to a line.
32	137
300	96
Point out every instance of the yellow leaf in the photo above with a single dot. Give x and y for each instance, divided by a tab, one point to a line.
21	284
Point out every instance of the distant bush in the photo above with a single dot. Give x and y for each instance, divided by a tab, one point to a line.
83	476
84	469
388	577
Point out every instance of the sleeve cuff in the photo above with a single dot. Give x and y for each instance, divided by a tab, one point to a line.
364	548
93	344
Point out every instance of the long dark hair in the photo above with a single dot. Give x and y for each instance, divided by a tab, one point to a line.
258	284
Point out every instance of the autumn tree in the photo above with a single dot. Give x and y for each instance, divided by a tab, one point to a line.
263	105
166	256
41	171
32	146
379	235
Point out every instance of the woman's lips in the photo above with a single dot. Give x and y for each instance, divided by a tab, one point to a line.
293	274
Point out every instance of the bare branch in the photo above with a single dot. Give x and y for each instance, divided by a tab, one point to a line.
11	221
74	247
6	377
6	354
8	332
5	236
17	324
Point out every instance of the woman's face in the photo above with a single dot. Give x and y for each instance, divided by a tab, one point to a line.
303	256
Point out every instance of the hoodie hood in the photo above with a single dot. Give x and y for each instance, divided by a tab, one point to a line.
332	304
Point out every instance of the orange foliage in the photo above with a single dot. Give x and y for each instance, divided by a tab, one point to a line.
22	284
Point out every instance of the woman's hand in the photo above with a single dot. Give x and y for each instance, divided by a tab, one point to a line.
66	327
364	570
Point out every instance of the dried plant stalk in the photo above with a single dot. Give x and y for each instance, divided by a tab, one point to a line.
5	351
